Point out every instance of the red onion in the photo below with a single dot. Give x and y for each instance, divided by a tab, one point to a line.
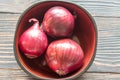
64	56
58	22
33	41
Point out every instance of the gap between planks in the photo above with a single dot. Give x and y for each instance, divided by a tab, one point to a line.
19	14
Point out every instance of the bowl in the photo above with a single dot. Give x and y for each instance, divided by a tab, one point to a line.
85	31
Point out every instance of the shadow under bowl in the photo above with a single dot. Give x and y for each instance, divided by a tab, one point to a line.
85	31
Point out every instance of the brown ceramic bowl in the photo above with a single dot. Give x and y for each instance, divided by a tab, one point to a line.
85	30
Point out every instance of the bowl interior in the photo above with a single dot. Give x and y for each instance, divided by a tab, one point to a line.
84	30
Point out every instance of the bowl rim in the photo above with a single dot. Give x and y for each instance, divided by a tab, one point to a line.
66	78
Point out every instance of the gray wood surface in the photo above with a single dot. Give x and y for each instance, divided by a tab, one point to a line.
107	16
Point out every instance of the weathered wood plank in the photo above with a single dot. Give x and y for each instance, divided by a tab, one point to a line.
8	16
108	50
107	16
18	74
95	7
13	6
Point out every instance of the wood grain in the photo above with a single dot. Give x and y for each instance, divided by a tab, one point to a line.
106	65
18	74
13	6
95	7
108	50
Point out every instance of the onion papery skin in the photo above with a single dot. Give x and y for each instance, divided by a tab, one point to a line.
33	42
64	56
58	22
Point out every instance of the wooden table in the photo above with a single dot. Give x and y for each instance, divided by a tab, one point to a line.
107	16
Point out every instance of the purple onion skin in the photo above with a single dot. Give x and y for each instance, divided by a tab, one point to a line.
33	42
58	22
64	56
